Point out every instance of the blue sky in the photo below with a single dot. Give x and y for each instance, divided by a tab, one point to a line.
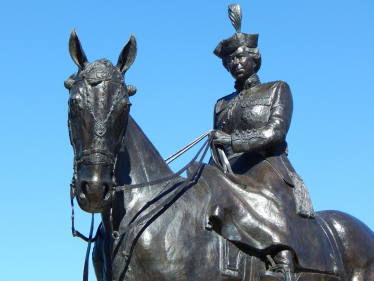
322	49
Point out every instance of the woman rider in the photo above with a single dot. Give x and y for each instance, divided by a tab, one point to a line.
251	126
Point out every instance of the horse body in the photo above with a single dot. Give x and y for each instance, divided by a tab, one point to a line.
181	241
177	244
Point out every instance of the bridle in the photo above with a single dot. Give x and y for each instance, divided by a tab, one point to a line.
95	155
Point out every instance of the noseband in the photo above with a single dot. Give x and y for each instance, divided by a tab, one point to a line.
95	156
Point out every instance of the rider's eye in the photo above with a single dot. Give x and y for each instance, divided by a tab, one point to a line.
93	84
73	102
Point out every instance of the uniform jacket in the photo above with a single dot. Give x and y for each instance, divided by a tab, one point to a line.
258	119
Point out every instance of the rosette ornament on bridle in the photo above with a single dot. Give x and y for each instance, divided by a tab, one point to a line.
98	111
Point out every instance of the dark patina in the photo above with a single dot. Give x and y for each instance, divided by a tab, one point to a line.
247	215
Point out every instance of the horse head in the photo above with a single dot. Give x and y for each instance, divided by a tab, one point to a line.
98	113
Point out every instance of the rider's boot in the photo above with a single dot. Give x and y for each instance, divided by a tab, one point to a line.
282	268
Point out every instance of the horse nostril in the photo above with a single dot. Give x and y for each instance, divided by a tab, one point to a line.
106	192
84	190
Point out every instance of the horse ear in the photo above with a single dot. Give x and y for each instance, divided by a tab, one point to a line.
128	54
76	50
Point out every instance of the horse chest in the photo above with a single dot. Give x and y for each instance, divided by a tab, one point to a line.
173	253
177	250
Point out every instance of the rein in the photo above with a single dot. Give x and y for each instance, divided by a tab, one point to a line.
172	157
116	234
76	233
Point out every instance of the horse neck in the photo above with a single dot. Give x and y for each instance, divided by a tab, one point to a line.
138	160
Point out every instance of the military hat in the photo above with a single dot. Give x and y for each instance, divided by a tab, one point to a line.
239	39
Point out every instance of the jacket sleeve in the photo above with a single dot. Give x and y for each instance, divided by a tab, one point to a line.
275	131
216	109
215	117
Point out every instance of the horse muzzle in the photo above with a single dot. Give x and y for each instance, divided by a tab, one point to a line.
94	188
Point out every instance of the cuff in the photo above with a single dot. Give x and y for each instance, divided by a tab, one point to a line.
240	140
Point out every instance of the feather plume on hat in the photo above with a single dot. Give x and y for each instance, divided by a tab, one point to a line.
237	40
235	15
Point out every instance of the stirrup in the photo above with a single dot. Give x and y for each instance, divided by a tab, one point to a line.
279	272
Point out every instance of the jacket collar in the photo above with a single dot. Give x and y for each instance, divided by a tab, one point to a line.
252	81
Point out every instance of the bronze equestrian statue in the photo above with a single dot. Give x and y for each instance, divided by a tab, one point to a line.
245	216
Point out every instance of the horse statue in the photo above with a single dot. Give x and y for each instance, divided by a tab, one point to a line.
157	225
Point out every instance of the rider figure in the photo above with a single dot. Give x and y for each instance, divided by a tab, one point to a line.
251	126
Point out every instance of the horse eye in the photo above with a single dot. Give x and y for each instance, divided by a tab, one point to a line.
75	101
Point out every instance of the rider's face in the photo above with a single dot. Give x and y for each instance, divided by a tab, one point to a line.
240	64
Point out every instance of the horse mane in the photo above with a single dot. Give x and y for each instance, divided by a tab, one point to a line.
138	160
